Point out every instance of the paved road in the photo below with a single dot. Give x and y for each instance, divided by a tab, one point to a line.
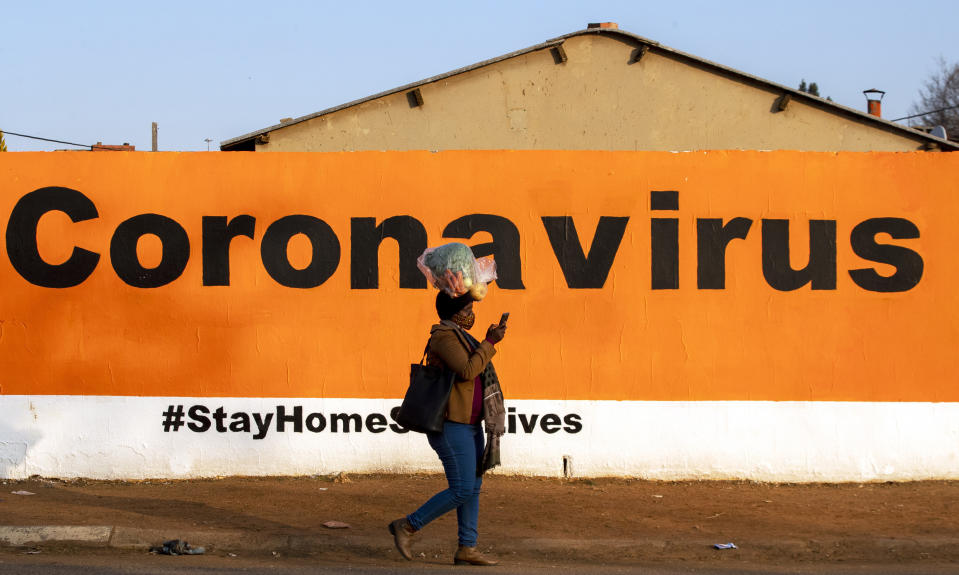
140	564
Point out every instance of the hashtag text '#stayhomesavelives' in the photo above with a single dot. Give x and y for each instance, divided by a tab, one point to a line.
202	419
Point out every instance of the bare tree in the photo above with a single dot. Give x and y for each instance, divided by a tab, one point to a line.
939	100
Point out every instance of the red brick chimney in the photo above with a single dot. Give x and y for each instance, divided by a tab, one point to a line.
874	101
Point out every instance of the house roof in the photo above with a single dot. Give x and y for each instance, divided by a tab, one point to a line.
652	45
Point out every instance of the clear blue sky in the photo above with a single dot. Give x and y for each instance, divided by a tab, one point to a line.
103	71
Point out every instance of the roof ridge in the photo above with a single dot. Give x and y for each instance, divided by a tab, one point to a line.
793	92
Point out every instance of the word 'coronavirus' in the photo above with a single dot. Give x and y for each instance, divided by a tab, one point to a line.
581	270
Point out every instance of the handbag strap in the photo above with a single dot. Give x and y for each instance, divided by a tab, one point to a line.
426	350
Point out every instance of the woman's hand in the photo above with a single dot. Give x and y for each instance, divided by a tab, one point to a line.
455	282
496	332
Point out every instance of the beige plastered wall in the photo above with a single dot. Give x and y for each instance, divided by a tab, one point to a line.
595	100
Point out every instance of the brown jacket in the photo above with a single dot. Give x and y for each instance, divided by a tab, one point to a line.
449	347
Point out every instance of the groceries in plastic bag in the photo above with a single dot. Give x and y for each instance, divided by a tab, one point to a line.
453	269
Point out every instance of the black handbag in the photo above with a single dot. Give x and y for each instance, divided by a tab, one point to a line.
426	401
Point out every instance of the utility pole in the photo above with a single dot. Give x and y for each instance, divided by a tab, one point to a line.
154	136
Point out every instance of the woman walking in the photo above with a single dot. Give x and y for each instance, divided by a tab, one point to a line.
461	446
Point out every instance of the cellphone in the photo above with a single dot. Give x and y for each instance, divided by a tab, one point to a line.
503	318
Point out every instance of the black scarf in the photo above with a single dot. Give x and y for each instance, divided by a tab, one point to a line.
494	413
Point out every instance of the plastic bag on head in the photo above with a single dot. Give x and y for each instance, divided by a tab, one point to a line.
458	259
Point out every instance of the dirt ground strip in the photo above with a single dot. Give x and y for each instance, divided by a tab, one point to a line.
609	520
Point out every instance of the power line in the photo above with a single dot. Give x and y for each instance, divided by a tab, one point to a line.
925	113
94	146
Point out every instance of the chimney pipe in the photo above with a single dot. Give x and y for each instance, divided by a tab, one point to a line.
874	101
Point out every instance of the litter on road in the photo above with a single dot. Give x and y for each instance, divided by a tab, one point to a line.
177	547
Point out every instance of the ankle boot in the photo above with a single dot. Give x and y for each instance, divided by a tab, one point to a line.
472	556
403	537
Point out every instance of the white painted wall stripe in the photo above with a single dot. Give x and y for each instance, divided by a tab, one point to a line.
124	438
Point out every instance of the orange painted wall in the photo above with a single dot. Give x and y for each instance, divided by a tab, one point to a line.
626	341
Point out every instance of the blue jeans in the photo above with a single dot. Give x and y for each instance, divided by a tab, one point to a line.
460	447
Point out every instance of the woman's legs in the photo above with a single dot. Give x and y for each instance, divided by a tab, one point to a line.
459	446
467	514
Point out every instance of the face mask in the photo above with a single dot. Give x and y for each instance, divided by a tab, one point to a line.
463	320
